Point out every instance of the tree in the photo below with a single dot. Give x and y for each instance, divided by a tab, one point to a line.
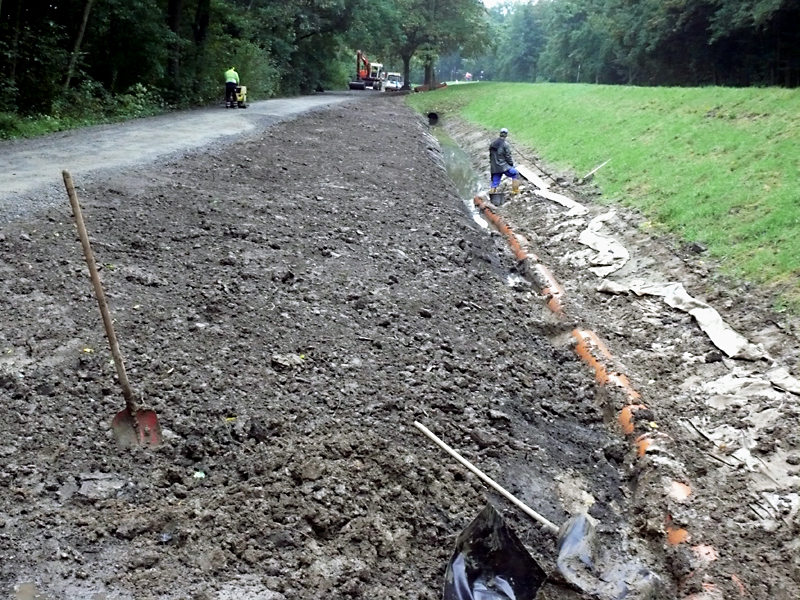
441	26
73	59
521	45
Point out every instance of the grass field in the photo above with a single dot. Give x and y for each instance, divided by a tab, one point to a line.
720	166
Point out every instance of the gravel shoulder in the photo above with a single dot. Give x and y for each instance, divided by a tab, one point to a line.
32	168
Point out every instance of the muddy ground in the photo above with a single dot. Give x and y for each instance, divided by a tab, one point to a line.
721	426
289	306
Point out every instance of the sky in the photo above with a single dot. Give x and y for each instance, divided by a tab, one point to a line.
490	3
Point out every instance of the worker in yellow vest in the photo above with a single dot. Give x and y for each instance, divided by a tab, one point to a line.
231	83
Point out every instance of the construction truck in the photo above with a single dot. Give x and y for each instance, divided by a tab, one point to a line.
368	74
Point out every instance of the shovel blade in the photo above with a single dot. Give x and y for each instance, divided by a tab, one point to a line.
141	429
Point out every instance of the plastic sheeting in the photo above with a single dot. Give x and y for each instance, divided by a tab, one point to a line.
575	209
721	334
612	255
781	379
490	563
529	174
608	577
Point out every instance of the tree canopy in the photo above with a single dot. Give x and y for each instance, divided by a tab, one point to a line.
59	54
647	42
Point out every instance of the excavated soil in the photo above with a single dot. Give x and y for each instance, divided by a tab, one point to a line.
289	305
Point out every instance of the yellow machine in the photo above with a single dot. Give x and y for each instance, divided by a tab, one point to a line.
241	98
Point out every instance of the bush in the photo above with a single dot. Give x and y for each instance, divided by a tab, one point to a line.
88	104
138	101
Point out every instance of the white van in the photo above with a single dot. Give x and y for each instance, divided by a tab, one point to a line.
394	81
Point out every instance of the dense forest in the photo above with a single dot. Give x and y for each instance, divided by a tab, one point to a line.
641	42
134	56
62	55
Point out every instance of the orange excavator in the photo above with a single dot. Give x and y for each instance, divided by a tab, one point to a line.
368	74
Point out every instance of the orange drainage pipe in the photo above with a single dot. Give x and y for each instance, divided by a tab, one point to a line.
594	352
500	224
540	275
550	288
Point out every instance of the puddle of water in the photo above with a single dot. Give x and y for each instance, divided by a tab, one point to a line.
468	183
459	167
28	591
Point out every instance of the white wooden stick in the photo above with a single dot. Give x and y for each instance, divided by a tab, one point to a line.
488	480
596	169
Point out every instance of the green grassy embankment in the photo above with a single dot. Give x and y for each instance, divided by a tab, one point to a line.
720	166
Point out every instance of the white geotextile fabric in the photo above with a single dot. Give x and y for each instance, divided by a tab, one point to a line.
575	208
733	344
532	177
781	379
612	255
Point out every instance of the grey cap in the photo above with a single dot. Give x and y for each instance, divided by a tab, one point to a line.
504	132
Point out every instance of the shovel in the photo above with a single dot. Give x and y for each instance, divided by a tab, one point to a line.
132	426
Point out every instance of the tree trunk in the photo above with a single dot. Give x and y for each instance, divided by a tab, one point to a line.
430	75
174	22
201	21
406	71
73	60
202	17
12	74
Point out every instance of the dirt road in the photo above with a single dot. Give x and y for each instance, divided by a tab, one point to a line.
30	169
289	310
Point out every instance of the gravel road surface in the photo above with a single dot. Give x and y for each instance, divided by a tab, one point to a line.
35	165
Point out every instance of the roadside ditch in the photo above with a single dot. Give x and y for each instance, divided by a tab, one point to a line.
704	397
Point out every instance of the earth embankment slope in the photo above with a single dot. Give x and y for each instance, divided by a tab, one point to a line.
288	310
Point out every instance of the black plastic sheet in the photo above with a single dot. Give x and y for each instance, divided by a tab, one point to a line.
490	563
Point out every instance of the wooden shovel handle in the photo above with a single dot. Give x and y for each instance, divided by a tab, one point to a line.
130	403
549	525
